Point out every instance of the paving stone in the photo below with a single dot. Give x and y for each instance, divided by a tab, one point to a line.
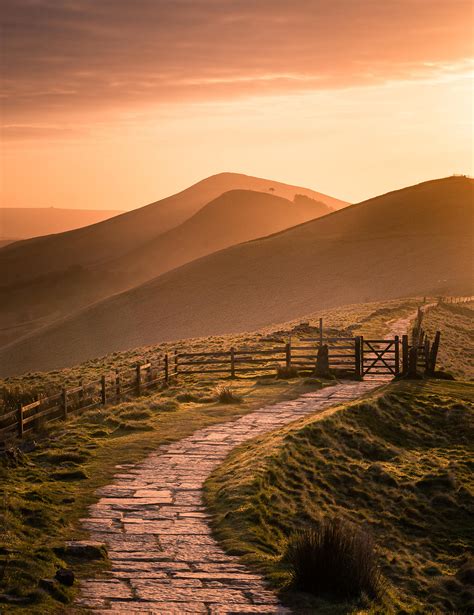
153	521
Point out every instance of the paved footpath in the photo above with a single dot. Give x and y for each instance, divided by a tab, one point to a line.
164	559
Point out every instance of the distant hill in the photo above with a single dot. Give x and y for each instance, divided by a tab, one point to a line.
27	222
235	216
415	241
114	237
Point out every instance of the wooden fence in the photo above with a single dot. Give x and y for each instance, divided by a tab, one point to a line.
347	356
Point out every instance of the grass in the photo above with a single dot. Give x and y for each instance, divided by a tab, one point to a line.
456	351
398	463
46	491
369	318
334	558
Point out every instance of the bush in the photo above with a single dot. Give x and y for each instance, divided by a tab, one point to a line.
334	558
225	395
285	373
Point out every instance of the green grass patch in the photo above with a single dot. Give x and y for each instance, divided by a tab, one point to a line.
398	464
45	492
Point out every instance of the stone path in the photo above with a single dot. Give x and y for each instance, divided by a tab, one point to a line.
164	559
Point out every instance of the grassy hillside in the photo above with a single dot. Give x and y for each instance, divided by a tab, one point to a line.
413	241
233	217
398	463
372	319
26	222
456	323
111	238
47	488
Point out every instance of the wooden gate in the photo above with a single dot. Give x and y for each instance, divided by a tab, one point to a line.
380	357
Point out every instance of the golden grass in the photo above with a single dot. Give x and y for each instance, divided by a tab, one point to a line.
398	463
46	491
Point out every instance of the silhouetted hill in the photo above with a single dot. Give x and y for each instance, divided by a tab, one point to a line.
233	217
27	222
114	237
413	241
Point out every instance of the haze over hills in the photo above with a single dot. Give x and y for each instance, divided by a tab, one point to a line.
418	240
235	216
25	222
111	238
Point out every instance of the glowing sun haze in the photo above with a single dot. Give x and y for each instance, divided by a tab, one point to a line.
113	103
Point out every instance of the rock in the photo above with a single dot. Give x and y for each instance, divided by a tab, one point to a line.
65	576
83	549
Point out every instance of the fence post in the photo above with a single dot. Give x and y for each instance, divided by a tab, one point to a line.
397	355
176	363
357	351
20	420
361	341
320	332
426	353
232	362
64	400
413	362
117	384
434	352
103	393
167	373
139	378
288	355
405	354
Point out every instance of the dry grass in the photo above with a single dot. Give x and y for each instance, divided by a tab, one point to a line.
456	323
370	318
334	558
47	486
399	463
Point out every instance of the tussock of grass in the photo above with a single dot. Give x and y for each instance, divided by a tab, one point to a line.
334	558
400	463
226	395
46	490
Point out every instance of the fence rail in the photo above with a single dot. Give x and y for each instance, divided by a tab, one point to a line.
354	356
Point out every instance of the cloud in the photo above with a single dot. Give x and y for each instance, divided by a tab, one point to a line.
77	56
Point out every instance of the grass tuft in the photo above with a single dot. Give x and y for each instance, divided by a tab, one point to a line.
285	373
226	395
335	558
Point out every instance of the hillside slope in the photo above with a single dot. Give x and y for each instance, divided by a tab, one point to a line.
31	259
27	222
417	240
233	217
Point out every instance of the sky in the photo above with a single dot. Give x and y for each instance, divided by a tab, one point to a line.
112	104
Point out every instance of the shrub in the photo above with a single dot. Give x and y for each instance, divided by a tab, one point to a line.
285	373
226	395
334	558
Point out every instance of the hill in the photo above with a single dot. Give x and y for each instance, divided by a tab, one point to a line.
26	222
233	217
112	238
396	464
417	240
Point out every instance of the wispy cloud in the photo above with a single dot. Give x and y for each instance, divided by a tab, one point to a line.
70	56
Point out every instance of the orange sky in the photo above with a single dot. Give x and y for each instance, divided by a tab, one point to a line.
114	104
